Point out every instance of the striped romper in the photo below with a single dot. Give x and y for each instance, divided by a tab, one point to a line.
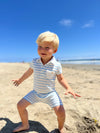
44	82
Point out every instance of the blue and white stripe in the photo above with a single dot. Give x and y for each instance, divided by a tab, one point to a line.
44	83
51	98
45	75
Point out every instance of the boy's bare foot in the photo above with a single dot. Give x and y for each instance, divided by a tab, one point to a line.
61	131
20	128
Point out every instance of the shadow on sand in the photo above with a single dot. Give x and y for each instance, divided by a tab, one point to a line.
34	126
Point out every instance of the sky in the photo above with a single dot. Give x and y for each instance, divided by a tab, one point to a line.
76	22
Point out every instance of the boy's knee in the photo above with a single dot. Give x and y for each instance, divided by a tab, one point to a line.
20	105
61	113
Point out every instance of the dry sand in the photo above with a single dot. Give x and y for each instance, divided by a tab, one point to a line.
80	112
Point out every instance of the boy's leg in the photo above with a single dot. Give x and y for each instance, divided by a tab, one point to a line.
60	112
22	104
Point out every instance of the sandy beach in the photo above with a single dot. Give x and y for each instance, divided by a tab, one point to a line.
82	114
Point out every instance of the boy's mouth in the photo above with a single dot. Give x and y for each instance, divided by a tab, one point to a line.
43	54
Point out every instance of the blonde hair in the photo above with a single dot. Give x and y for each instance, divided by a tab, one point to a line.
48	37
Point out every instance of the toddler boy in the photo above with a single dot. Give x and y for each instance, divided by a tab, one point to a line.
45	69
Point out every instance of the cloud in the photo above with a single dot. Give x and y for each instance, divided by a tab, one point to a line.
89	24
66	22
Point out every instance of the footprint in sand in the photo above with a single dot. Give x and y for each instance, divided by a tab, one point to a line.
87	126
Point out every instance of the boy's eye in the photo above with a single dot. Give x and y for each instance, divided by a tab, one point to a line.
47	48
40	46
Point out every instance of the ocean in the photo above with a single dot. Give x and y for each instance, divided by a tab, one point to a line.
69	61
81	61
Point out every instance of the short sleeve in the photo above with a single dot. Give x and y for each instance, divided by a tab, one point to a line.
59	69
32	64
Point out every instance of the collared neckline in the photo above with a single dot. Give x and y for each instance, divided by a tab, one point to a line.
50	62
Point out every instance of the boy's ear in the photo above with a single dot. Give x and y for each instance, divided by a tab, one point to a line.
55	50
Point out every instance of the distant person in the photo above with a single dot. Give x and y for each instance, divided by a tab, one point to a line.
45	69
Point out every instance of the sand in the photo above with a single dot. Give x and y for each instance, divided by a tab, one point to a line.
82	114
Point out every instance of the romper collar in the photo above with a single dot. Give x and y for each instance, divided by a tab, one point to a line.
52	61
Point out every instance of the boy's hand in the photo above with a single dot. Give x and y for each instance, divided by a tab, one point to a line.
72	93
16	82
62	81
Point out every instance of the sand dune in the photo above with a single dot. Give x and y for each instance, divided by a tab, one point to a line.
82	114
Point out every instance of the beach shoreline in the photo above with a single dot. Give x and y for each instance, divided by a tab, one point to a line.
84	80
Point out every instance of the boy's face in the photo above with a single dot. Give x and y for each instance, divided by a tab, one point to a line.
46	50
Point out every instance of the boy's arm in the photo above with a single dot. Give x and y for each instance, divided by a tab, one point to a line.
63	82
23	77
